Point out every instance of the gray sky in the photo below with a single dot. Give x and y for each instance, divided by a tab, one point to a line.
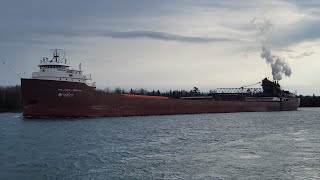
168	44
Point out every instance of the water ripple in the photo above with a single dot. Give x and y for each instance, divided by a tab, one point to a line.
269	145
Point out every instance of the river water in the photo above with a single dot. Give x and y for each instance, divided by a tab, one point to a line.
262	145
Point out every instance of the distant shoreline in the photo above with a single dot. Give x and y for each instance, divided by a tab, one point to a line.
9	111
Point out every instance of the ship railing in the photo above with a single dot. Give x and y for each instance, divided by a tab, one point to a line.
49	61
237	91
87	77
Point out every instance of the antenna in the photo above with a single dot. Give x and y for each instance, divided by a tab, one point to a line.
56	54
11	69
56	50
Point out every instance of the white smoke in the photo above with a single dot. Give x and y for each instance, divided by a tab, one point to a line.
278	65
263	28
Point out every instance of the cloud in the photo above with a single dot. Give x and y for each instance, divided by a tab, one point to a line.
306	5
302	55
306	29
166	36
40	35
30	28
31	21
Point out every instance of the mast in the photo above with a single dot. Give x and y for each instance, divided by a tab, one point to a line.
56	54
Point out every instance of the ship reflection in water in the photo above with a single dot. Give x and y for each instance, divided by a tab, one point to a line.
59	91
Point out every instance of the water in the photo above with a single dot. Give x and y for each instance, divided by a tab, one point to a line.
266	145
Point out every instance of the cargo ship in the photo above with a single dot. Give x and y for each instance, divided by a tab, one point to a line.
57	90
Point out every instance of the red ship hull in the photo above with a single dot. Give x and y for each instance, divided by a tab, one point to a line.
49	98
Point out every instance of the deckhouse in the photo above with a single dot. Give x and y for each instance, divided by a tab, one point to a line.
58	69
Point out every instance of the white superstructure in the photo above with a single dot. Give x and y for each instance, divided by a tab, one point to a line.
58	69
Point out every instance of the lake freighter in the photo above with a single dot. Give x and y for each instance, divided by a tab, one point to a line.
57	90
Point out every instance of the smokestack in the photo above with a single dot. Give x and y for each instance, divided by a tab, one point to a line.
80	67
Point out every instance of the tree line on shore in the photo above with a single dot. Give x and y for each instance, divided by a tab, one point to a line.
10	96
174	94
